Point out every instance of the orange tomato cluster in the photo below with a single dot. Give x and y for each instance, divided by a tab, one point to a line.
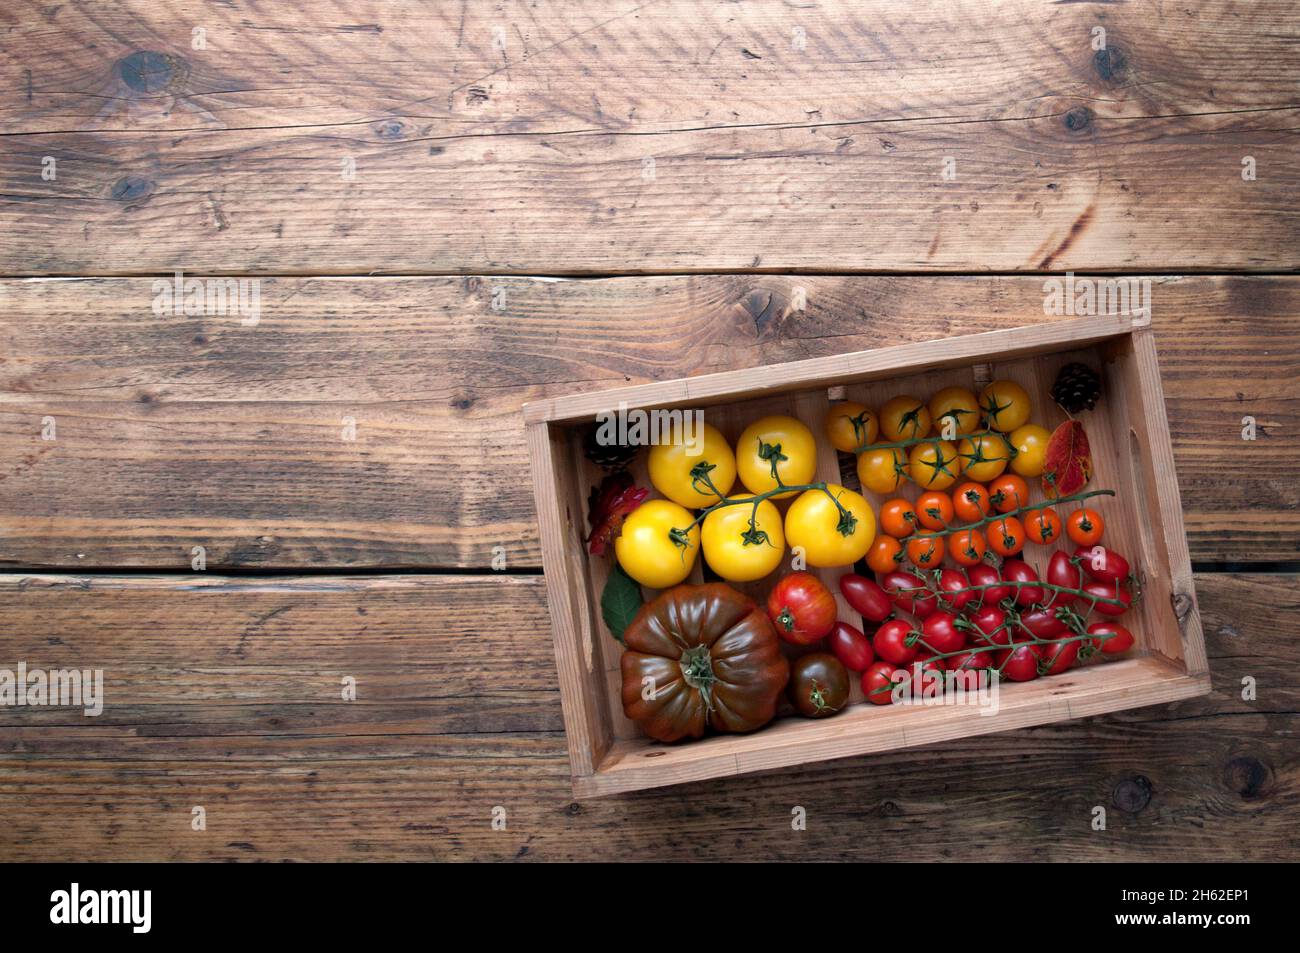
975	470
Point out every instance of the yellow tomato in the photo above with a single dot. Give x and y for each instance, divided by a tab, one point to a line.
1030	442
958	405
828	536
882	471
738	552
983	457
904	418
647	551
933	466
1005	405
777	441
671	465
851	426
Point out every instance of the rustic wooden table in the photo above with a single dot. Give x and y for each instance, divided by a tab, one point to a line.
348	453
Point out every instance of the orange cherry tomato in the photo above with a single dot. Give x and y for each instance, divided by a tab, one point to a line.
925	552
1084	527
967	547
897	518
885	555
934	509
1006	536
971	502
1008	492
1042	526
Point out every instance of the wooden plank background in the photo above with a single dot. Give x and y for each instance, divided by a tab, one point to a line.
201	431
225	694
783	136
407	180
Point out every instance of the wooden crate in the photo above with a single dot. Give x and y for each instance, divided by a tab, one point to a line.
1131	454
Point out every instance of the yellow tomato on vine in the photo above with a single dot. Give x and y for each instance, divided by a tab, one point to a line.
737	551
882	471
983	456
904	418
830	534
1005	405
1030	442
958	405
685	477
772	446
656	548
933	465
851	426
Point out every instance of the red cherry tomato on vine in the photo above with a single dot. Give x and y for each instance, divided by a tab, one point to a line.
1017	570
986	575
1043	623
878	684
1102	564
1084	527
990	621
801	608
891	642
954	590
1120	639
1059	657
909	593
921	673
1109	590
866	598
1062	571
977	658
851	647
941	634
1021	663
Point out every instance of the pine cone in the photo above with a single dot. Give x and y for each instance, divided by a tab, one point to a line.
610	457
1077	387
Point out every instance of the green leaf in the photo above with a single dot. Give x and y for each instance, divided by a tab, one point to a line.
620	601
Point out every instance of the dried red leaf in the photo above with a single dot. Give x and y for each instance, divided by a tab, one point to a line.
608	506
1068	465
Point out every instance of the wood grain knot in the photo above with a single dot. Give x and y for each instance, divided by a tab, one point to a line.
1078	118
390	129
1248	777
1183	605
1132	794
1111	64
761	306
132	188
146	71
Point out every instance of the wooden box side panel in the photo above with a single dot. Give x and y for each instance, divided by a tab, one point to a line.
1133	382
825	372
867	729
581	671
